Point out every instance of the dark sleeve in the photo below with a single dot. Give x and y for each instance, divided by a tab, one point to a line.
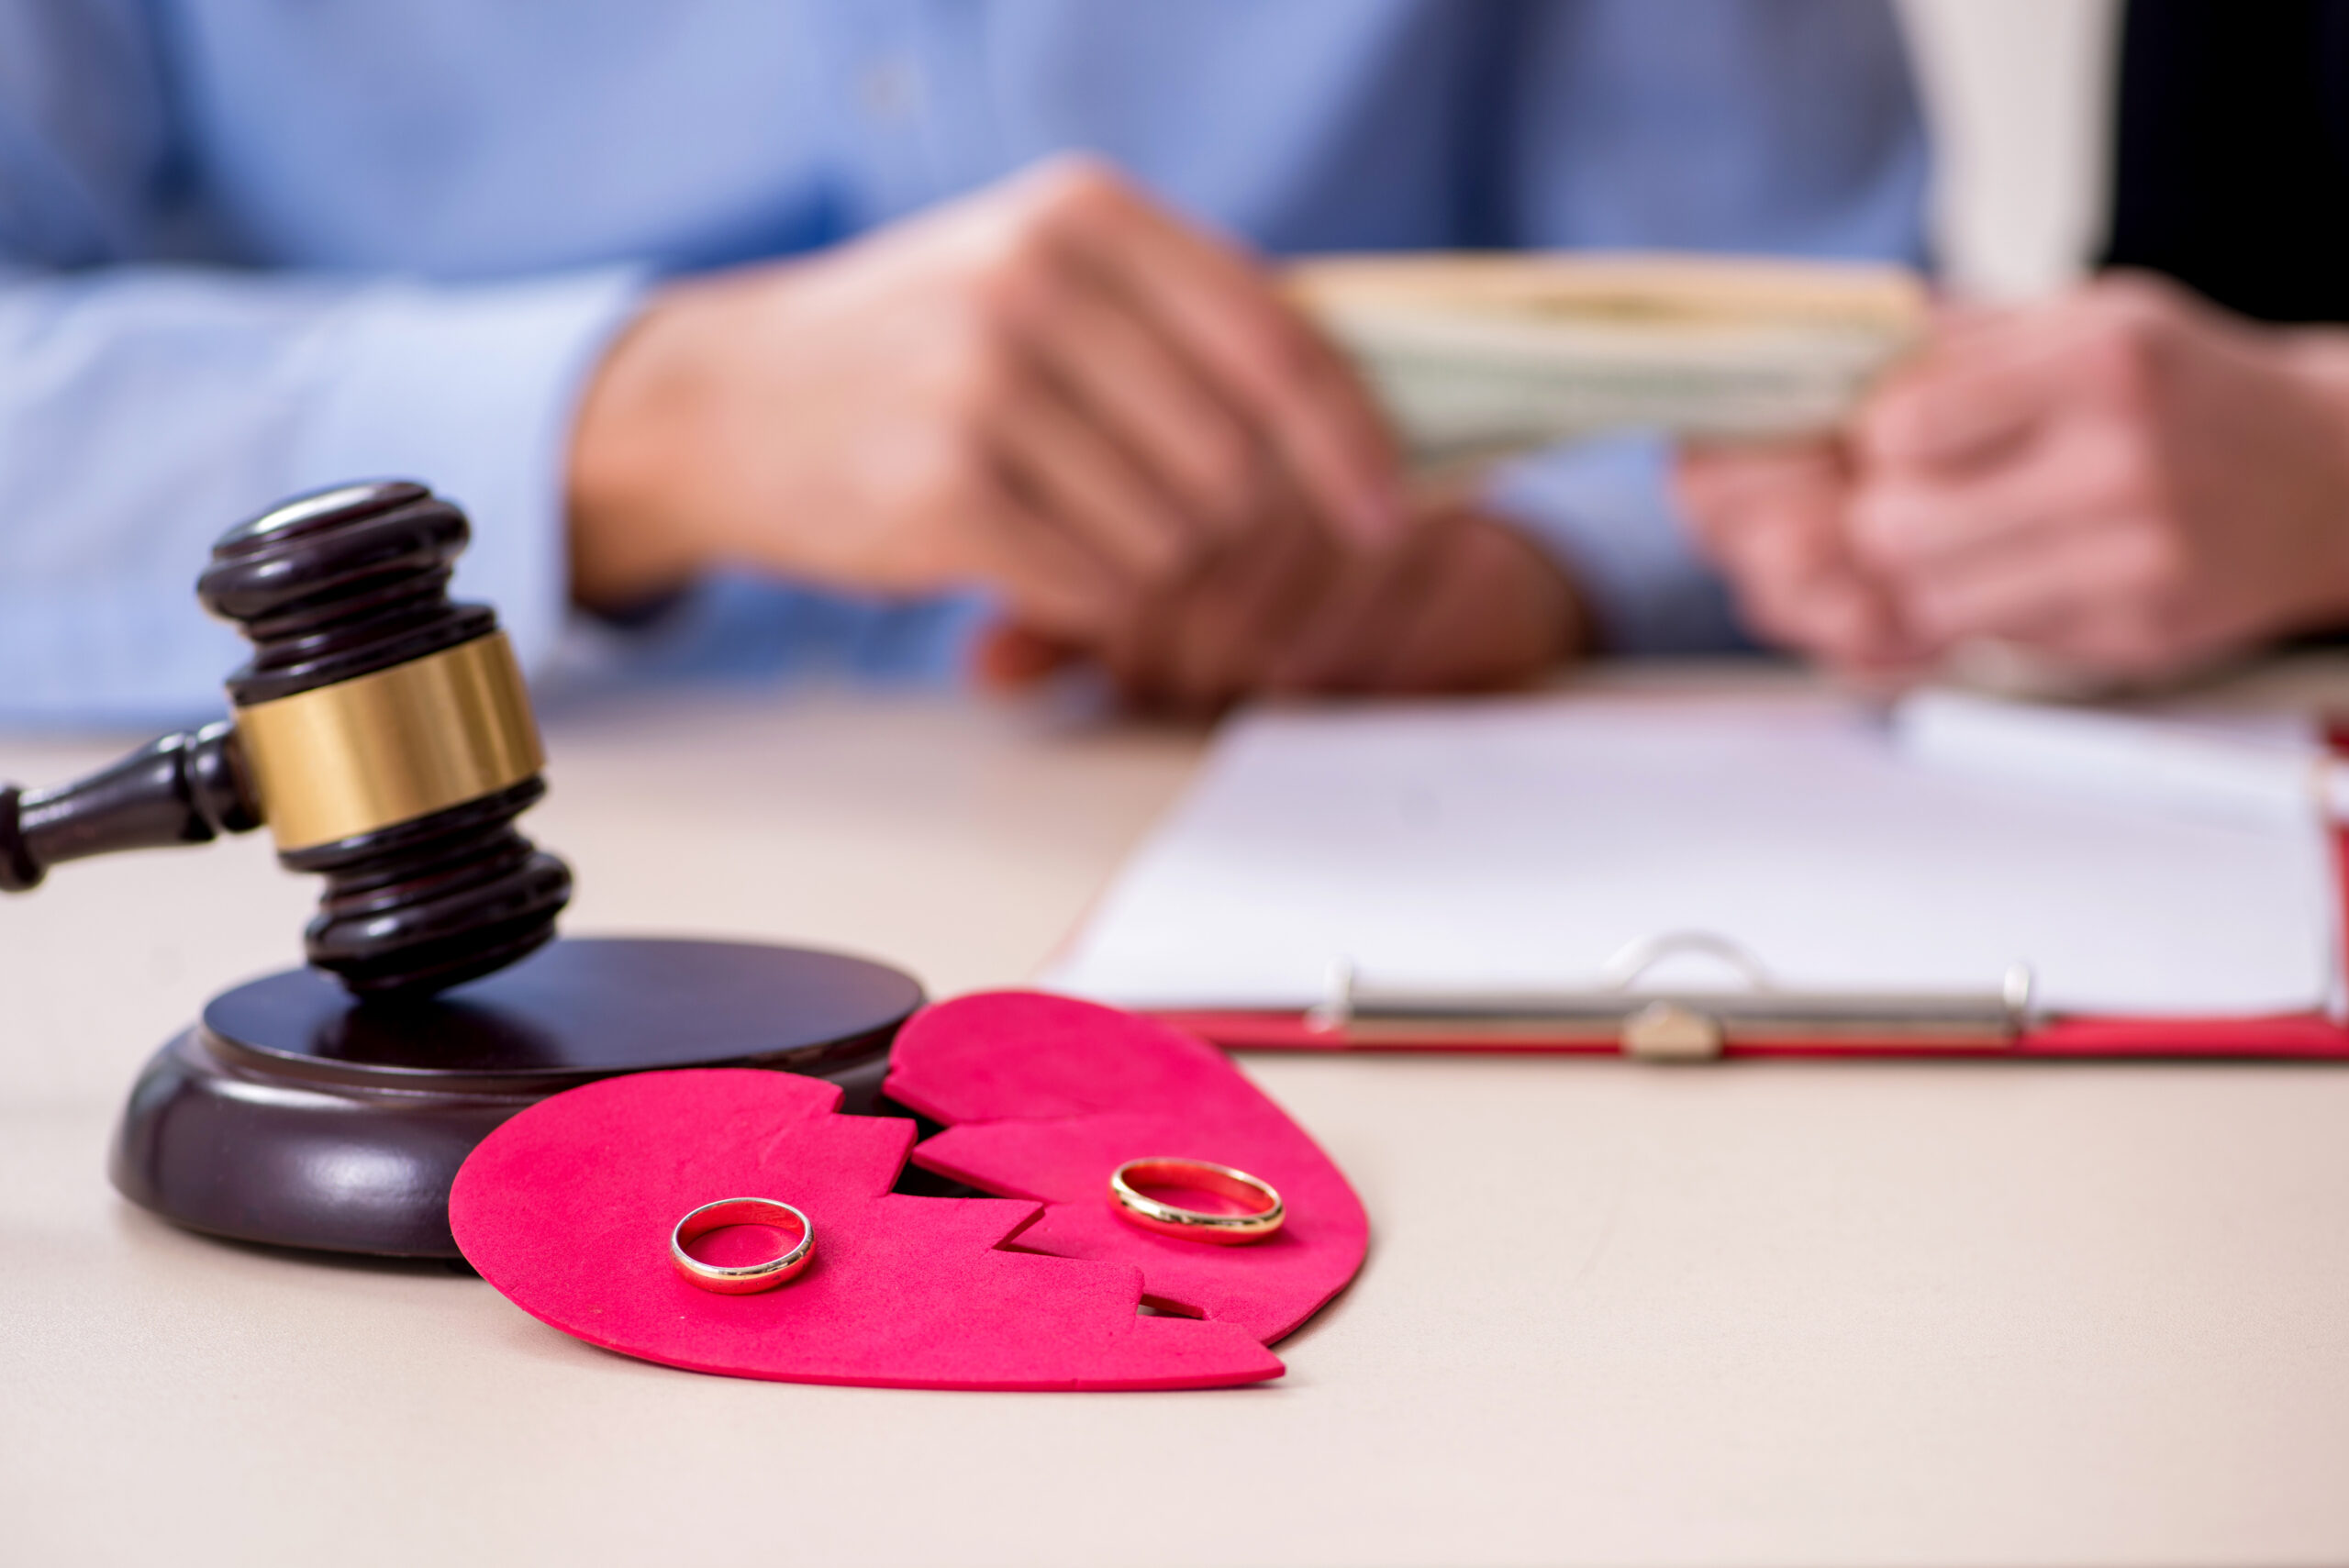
2230	167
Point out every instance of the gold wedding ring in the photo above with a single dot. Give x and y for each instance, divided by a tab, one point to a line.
749	1278
1262	1216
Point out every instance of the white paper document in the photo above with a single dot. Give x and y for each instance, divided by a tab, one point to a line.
1515	845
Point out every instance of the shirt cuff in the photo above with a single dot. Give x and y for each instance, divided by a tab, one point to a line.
1603	509
473	389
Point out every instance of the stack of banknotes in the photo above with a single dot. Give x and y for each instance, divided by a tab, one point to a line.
1477	356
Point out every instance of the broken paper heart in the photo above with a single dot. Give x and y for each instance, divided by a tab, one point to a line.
567	1208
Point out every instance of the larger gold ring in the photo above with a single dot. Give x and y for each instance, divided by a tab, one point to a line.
1262	1216
742	1281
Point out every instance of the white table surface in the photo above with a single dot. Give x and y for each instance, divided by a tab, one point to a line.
1768	1313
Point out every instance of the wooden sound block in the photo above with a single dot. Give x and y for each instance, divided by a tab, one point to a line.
294	1113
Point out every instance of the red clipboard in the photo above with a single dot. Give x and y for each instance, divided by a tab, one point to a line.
2302	1037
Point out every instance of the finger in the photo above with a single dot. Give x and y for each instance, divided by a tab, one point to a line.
1955	321
1313	409
1830	612
1719	489
1782	532
1472	605
1798	586
1145	653
1939	417
2126	641
1247	610
1092	489
1726	470
1155	403
1134	651
1977	391
1913	526
1727	496
1850	625
1010	655
1048	577
1342	647
1449	637
2095	570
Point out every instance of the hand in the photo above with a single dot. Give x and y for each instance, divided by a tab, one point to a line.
2124	480
1460	603
1776	519
1053	388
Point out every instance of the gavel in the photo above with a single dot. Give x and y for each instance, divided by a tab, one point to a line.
381	731
385	736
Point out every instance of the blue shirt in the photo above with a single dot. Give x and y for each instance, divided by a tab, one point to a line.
250	247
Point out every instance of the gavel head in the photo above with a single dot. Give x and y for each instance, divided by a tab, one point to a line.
388	736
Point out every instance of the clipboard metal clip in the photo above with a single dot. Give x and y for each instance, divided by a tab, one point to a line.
1678	1024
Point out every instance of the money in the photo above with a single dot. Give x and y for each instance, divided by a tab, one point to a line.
1478	355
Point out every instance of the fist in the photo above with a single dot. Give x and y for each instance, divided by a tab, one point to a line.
1052	389
2125	480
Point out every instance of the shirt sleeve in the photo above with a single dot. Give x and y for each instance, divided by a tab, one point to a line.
1700	125
145	406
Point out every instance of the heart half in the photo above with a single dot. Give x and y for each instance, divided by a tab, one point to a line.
567	1209
1045	1096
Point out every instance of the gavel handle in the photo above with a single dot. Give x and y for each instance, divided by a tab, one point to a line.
187	788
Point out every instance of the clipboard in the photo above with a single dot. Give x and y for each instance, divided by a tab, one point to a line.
1752	1014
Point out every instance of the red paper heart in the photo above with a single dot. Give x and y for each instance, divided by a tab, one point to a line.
1043	1097
567	1209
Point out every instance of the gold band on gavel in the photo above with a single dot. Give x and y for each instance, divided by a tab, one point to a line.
377	750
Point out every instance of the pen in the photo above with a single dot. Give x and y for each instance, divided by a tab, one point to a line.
2165	763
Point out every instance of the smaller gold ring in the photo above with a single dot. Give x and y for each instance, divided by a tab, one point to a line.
749	1278
1264	1215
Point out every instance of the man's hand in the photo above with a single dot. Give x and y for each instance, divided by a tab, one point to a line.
2125	480
1460	603
1053	388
